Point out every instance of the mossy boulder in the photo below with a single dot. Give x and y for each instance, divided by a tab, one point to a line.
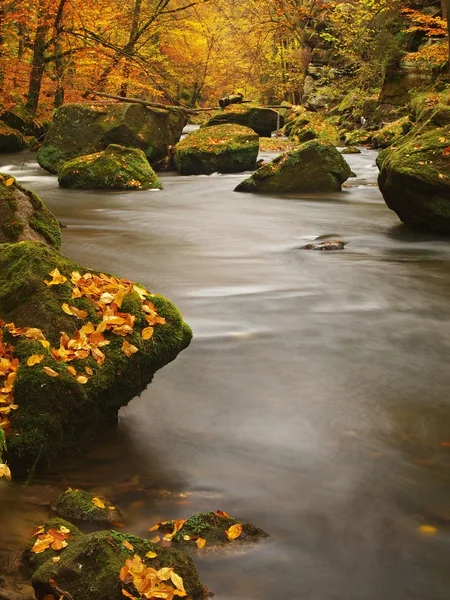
222	148
117	167
82	129
415	173
262	120
305	125
62	405
33	560
21	121
351	150
10	139
358	137
312	167
90	567
391	132
211	528
86	506
23	216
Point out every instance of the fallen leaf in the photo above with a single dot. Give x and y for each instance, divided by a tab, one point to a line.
5	472
151	554
127	594
156	539
154	527
128	348
57	278
221	513
201	543
147	333
234	531
127	545
177	581
50	372
82	379
428	529
99	504
9	181
35	359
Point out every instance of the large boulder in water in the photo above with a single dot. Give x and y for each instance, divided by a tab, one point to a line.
106	565
116	168
312	167
80	129
10	139
415	173
24	217
77	346
223	148
262	120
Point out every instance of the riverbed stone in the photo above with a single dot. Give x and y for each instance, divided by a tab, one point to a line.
91	567
11	140
33	560
415	173
24	217
80	505
262	120
325	245
62	404
351	150
117	167
304	125
81	129
223	148
312	167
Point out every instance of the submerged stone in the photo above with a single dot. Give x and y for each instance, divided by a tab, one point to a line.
82	129
24	217
262	120
86	374
351	150
223	148
92	566
312	167
117	167
325	245
85	506
415	173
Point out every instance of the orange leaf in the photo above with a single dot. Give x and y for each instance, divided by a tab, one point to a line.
128	348
201	543
147	333
128	595
57	278
9	181
154	527
98	503
223	514
127	545
50	372
72	371
35	359
234	531
82	379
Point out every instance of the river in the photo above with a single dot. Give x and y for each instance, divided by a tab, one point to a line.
312	402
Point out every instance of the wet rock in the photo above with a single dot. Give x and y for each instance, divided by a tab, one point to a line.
10	139
26	124
85	506
311	167
358	137
351	150
63	405
303	126
24	217
262	120
81	129
91	567
391	133
222	148
325	245
415	173
117	167
63	530
209	530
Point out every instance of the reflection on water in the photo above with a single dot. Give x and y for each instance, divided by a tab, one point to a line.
313	400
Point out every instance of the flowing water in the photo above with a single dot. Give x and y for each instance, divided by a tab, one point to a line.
313	400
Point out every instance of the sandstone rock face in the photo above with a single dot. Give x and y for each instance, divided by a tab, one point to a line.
415	173
81	129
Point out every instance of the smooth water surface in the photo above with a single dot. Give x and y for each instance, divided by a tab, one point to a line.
313	400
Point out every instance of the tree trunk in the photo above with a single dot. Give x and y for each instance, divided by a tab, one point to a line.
37	69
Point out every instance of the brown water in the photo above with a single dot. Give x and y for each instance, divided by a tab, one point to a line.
313	400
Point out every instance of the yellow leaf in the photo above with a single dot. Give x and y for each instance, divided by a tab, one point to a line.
177	581
234	531
201	543
83	379
186	538
5	472
57	278
154	527
165	573
9	181
64	529
99	504
167	537
126	544
50	372
88	370
127	594
72	371
56	559
111	508
428	529
128	348
45	343
151	554
66	309
147	333
35	359
155	539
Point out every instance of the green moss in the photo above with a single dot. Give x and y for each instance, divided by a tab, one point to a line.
10	139
101	556
351	150
391	132
50	158
262	120
115	168
224	148
304	126
33	561
79	505
358	137
58	415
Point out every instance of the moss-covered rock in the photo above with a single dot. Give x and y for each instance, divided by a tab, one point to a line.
351	150
33	560
210	528
21	121
358	137
23	215
391	133
117	167
82	129
90	567
222	148
10	139
312	167
304	126
62	410
85	506
262	120
415	173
